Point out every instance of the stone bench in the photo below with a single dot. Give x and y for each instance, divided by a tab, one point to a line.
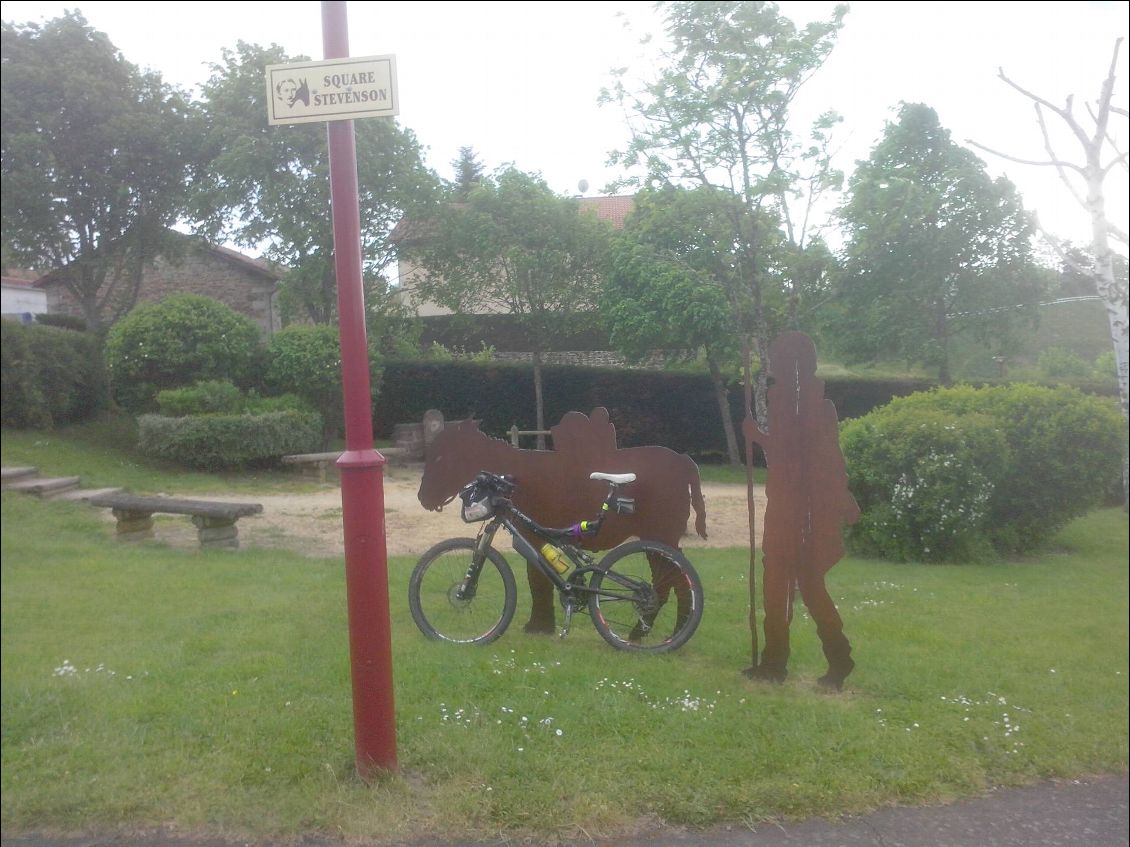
215	522
319	462
322	462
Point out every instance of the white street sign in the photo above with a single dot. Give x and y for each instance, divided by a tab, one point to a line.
332	90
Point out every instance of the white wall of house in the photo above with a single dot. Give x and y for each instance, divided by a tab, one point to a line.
20	300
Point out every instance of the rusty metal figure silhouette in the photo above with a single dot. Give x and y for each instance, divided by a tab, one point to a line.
554	486
808	505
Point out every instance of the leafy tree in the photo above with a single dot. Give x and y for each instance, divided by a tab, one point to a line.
270	184
514	247
468	171
717	115
671	285
394	329
94	161
936	247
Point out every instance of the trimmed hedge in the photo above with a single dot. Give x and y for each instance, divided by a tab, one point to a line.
50	376
676	410
506	333
218	396
999	469
209	396
221	441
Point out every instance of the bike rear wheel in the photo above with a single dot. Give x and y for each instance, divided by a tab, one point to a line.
650	598
440	609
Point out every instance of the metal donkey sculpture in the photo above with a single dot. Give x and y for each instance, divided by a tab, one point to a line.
554	486
808	505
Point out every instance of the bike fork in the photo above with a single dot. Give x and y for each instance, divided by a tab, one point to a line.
471	578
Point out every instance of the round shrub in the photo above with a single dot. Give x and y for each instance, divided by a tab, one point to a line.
924	481
1104	368
178	341
1060	362
306	360
1062	451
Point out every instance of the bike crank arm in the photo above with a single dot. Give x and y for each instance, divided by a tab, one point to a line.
564	631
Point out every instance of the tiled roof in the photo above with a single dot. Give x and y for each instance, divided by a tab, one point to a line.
260	266
16	282
612	209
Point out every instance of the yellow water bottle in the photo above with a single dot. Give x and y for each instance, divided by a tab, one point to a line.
555	557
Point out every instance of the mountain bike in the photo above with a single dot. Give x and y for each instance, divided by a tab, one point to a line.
642	595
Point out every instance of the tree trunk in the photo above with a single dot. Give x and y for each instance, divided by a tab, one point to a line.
722	396
1113	299
761	384
323	311
85	291
941	335
539	401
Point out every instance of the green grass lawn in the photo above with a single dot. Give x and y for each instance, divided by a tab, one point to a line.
104	453
208	692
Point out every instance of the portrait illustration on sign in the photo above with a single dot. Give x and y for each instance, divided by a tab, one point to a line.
290	92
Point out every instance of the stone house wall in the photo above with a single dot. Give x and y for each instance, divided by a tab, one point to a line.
241	283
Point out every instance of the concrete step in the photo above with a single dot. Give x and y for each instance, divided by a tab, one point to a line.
10	475
84	494
45	487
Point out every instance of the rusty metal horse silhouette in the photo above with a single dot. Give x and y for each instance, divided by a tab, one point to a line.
808	504
554	486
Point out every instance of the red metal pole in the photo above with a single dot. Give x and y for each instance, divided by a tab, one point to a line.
362	472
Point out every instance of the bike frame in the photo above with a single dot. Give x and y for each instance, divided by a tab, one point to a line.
510	517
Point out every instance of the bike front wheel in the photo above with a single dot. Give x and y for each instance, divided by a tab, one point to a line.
448	607
647	597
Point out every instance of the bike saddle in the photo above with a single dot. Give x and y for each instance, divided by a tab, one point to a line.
614	478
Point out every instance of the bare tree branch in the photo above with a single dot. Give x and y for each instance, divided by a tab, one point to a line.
1118	233
1103	117
1062	251
1065	113
1055	163
1051	152
1121	160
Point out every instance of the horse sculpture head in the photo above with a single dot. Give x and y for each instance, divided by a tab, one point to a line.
453	459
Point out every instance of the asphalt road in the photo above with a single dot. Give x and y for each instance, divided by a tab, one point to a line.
1062	813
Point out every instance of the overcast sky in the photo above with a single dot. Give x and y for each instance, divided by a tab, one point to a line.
519	81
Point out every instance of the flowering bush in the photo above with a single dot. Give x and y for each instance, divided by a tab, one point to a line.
957	473
923	482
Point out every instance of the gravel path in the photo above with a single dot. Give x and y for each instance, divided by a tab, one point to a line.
310	524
